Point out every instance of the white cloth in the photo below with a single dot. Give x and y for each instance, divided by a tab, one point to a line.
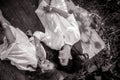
91	42
21	53
58	30
41	53
94	45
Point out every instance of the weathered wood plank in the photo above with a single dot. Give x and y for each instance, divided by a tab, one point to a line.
21	13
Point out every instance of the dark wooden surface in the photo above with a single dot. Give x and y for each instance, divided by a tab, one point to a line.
21	13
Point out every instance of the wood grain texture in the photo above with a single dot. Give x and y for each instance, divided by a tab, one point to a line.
21	13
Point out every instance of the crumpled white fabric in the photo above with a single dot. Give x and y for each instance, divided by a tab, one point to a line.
21	53
95	43
58	30
91	42
42	52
